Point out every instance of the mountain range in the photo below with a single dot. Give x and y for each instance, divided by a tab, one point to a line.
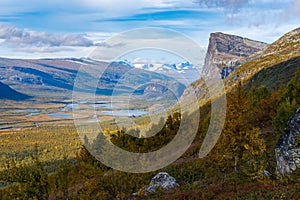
179	67
55	77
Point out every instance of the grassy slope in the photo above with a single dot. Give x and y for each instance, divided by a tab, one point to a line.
280	55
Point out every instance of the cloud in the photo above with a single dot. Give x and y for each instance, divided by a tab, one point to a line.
231	4
255	13
104	44
19	38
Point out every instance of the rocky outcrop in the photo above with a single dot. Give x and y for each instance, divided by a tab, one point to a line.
225	52
162	180
287	151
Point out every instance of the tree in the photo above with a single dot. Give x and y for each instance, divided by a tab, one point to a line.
240	142
288	105
255	95
62	179
32	177
265	107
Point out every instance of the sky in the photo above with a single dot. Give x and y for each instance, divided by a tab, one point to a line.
53	29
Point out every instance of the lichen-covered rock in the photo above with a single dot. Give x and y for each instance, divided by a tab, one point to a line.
287	151
162	180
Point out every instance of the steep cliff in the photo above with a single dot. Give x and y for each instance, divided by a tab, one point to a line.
225	52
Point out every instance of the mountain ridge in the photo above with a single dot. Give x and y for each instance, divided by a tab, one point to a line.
283	53
8	93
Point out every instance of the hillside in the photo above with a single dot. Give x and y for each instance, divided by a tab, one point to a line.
273	66
10	94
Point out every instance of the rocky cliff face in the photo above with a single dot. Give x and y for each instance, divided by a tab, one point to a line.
225	52
287	151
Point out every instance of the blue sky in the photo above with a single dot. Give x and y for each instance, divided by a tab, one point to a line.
34	28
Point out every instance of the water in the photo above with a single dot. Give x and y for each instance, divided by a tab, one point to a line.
69	107
32	114
28	110
99	104
107	106
60	115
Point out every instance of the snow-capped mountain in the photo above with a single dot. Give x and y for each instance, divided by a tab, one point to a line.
182	71
158	67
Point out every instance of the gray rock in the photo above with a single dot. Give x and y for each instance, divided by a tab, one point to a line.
225	53
287	151
162	180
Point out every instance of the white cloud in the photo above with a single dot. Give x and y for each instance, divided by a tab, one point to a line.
23	43
19	38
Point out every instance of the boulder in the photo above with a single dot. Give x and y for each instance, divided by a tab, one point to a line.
162	180
287	151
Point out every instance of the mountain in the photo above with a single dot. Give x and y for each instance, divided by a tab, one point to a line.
225	52
165	68
125	62
272	67
184	72
49	77
10	94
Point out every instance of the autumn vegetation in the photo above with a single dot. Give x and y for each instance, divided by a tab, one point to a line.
241	166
